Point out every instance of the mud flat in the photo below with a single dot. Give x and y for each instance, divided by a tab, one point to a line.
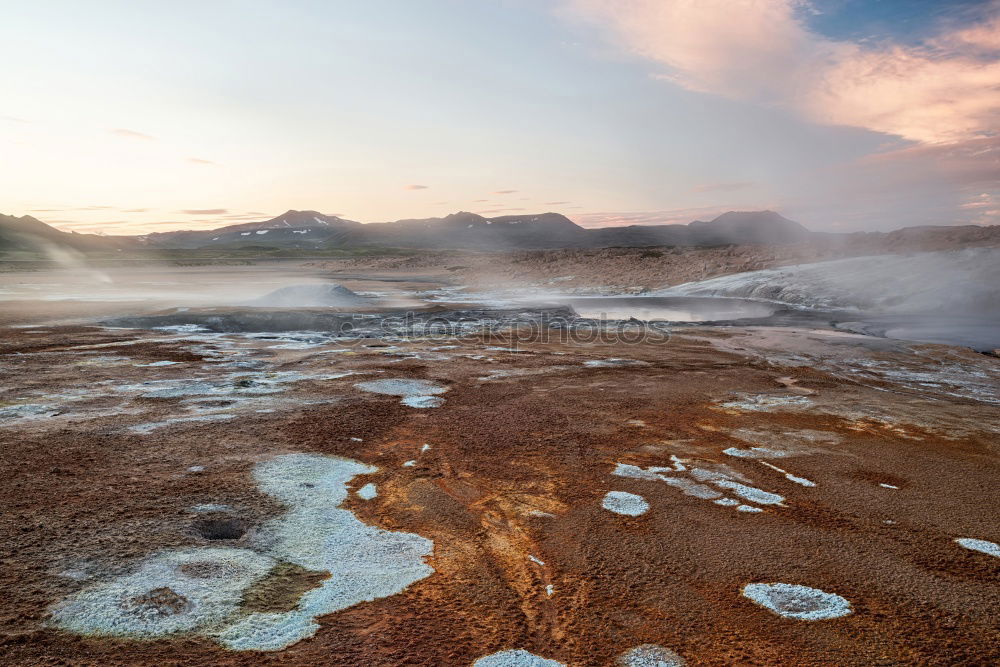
722	495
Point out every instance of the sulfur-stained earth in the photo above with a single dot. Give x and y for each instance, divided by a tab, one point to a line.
475	500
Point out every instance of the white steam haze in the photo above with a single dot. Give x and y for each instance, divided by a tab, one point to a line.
155	285
959	282
75	262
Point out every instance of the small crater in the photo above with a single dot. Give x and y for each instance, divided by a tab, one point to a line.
220	528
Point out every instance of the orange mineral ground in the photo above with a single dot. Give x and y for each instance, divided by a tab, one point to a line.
182	497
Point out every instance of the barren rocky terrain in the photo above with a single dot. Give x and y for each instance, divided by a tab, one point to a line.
717	496
638	269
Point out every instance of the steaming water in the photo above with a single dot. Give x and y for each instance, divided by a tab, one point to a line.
160	286
938	297
672	309
980	332
944	297
957	282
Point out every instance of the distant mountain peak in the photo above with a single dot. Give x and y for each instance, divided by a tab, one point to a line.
294	218
29	233
464	217
751	217
752	227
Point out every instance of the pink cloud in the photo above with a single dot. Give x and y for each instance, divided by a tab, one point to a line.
983	208
722	187
415	187
944	90
680	216
973	162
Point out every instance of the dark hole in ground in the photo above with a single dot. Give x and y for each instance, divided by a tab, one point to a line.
220	528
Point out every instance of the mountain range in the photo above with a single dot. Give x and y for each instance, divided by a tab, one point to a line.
310	230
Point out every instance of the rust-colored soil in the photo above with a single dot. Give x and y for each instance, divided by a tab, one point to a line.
510	491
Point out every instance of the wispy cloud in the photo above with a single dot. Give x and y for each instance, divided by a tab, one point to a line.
555	203
205	211
923	184
504	192
211	223
973	162
983	209
943	90
501	210
14	119
198	160
130	134
722	187
415	187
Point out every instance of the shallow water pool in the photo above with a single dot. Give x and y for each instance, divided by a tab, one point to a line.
669	308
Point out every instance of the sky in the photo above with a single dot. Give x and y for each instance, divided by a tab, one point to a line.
135	116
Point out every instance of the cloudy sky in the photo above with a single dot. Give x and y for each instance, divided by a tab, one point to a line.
139	115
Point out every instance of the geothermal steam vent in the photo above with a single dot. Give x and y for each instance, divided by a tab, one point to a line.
326	295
